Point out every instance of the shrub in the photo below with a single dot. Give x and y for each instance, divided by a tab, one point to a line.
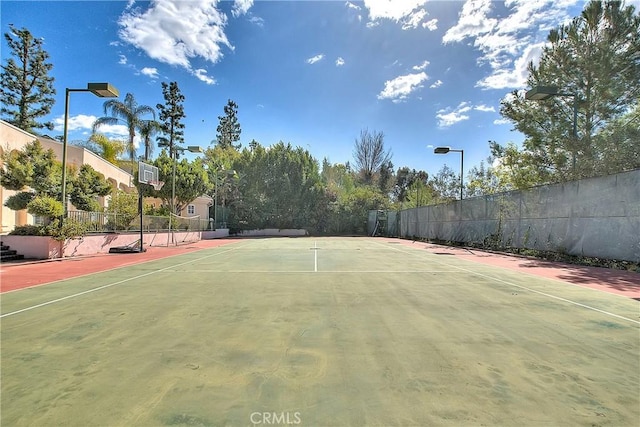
28	230
19	201
70	229
45	206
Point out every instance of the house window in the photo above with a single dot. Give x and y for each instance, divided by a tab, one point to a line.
191	210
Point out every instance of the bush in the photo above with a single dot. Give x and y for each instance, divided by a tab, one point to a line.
70	229
19	201
28	230
45	206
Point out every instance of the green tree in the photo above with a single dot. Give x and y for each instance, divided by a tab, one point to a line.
33	170
123	208
36	175
354	206
485	179
405	178
280	187
420	191
228	131
223	178
87	186
446	185
191	181
595	57
171	116
26	91
128	112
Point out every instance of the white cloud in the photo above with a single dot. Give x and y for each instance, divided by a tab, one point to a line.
79	122
501	122
401	87
414	20
409	13
436	84
450	116
354	10
240	7
421	66
176	31
83	123
201	74
472	21
509	43
315	59
352	6
257	21
485	108
339	62
447	117
513	75
431	25
392	9
151	72
122	60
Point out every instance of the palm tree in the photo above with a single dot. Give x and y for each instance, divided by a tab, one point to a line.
128	112
110	149
148	128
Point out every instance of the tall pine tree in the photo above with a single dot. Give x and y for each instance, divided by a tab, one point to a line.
229	127
26	89
595	58
171	115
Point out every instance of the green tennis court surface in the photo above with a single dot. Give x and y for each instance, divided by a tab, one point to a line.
318	332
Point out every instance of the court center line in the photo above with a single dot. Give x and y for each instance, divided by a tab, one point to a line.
524	287
109	285
315	257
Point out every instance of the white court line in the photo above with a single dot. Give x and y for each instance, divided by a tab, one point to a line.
322	272
523	287
110	284
115	268
315	257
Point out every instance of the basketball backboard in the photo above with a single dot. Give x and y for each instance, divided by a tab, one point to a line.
147	173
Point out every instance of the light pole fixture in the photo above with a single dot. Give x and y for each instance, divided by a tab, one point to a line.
445	150
215	196
541	93
174	154
191	149
102	90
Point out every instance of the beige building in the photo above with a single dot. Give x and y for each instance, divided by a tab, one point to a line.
13	138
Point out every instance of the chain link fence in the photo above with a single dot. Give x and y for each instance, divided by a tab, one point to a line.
101	222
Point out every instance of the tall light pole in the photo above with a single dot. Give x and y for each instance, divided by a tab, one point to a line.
445	150
215	196
174	152
540	93
102	90
192	149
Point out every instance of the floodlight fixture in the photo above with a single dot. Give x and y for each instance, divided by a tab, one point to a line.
102	90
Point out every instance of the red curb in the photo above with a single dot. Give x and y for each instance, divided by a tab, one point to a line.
626	283
15	276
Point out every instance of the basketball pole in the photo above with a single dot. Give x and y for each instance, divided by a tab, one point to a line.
140	211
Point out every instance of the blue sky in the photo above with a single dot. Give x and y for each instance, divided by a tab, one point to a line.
312	73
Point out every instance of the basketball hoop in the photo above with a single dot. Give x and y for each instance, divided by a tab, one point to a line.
157	185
